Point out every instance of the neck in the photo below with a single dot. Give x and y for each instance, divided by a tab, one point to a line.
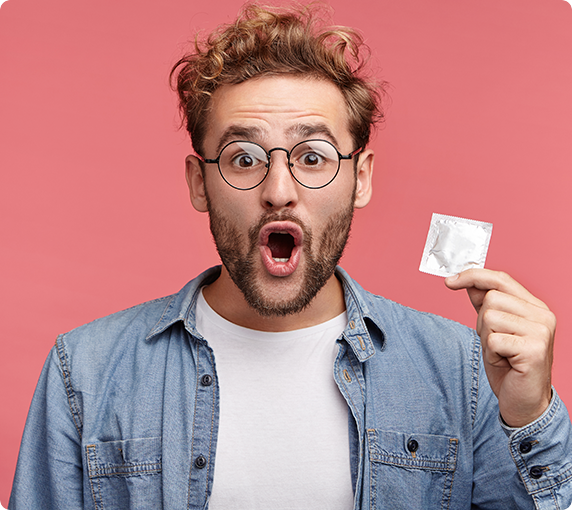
226	299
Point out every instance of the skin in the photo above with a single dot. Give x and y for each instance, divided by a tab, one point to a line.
517	332
276	106
516	328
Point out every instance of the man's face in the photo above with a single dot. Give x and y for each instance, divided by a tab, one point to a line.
279	242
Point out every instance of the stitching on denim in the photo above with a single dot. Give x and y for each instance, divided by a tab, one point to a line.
544	422
447	470
137	469
198	371
443	464
422	464
475	376
520	462
556	505
91	450
558	480
356	375
357	303
213	386
372	480
352	401
344	350
70	393
450	477
343	388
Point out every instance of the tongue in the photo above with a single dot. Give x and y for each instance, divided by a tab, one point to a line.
280	245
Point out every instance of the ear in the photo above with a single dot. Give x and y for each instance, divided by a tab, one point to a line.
196	183
364	176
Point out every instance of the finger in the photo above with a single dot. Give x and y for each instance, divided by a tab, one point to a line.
518	353
492	356
477	297
497	321
486	279
496	300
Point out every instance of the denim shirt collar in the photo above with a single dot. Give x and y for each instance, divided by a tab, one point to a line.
181	307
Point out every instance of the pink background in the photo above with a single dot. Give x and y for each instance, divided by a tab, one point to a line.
95	214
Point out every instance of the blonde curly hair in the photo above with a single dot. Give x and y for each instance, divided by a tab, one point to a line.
272	41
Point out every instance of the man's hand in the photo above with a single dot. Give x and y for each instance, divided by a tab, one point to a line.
517	333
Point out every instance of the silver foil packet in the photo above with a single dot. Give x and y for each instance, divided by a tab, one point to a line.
455	244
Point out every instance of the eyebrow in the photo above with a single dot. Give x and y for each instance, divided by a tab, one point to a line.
236	132
254	133
306	131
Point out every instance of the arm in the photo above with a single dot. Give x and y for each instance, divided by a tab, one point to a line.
517	333
49	470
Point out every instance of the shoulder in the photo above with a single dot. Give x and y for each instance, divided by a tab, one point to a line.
132	322
91	353
139	323
406	320
431	333
397	319
404	331
132	341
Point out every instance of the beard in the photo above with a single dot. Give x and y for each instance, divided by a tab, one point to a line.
319	266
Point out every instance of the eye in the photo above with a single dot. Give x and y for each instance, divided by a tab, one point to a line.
311	159
245	161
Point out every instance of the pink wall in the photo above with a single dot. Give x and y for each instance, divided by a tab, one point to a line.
95	216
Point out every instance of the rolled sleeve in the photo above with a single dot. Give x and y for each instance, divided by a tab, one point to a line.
542	452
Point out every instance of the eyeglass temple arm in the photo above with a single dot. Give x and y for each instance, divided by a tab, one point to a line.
351	154
205	160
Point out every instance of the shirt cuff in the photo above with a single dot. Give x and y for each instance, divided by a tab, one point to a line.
542	452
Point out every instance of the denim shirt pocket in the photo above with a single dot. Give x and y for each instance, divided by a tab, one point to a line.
411	471
125	474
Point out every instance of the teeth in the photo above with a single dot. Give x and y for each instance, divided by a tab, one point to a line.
280	259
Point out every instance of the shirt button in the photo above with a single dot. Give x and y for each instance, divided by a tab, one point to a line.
200	462
525	447
412	445
206	380
536	472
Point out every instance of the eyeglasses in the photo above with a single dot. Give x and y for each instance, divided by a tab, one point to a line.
312	163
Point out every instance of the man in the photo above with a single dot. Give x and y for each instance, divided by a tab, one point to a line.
276	381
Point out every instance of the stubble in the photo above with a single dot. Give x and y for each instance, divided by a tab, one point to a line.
320	264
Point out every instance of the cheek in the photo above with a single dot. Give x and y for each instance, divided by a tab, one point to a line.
239	210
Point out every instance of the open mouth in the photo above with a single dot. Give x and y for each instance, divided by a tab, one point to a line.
280	245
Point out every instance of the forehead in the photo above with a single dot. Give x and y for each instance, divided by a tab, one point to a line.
278	107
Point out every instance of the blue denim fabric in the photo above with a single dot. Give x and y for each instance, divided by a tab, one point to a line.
122	417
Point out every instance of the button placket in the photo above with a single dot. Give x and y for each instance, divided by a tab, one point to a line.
205	429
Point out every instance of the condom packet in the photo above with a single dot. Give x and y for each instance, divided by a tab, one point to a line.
455	244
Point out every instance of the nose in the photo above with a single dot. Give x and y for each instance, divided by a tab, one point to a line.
279	189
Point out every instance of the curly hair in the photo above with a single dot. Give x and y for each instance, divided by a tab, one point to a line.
267	41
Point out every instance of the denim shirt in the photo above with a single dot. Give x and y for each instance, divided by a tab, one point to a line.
125	416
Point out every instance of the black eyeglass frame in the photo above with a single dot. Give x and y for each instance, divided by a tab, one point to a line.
290	165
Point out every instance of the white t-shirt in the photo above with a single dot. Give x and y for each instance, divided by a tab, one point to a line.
283	433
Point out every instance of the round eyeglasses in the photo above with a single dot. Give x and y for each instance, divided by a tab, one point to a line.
312	163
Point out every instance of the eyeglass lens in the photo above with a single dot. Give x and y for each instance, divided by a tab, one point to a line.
313	163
